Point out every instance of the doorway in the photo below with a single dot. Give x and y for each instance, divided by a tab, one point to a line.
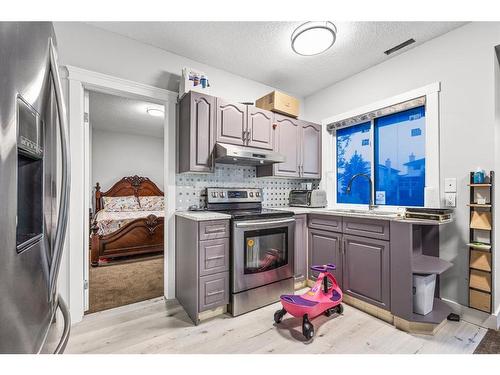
125	170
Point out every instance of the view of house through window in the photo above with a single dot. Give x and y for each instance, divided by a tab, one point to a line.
398	156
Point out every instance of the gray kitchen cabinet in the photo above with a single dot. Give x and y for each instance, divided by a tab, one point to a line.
366	269
196	124
311	150
300	142
324	247
231	119
300	255
260	128
201	265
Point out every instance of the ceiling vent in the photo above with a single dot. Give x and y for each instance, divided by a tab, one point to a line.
399	46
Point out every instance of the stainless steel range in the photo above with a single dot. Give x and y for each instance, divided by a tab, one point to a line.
262	247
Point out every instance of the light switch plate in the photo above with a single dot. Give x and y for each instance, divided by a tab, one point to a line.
450	185
450	199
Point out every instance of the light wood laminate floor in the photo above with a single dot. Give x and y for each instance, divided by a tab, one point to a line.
156	326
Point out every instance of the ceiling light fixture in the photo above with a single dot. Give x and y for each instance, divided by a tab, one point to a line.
155	112
313	37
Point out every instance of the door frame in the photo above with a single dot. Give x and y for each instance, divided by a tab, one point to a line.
77	81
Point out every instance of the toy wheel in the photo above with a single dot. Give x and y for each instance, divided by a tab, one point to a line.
307	328
340	309
278	315
308	331
330	312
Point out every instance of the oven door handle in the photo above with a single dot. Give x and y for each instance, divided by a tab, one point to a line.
253	224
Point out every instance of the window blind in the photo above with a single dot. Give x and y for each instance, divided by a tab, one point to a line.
417	102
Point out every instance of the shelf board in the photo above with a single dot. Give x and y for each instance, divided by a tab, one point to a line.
479	205
479	185
484	247
426	264
439	313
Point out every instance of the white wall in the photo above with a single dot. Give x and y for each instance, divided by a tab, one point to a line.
464	62
116	155
89	47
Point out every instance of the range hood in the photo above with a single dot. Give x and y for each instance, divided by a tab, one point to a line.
231	154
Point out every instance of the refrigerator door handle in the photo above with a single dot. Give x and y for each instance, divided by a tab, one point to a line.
67	326
62	217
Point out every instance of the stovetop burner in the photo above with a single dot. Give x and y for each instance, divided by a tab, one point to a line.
258	213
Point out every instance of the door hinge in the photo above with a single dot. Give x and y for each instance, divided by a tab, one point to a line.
85	284
85	117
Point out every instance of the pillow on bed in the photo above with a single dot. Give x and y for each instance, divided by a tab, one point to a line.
116	204
152	203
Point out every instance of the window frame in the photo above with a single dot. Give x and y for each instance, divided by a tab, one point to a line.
432	196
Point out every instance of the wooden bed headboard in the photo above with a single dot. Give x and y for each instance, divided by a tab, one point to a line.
131	185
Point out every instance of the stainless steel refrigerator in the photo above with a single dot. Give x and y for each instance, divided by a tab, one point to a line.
34	186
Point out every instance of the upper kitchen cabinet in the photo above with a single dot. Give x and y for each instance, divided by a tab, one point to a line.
311	150
231	121
196	132
260	128
300	142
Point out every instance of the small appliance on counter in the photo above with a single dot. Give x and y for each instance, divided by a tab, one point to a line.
436	214
307	198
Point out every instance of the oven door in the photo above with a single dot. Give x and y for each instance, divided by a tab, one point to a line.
262	252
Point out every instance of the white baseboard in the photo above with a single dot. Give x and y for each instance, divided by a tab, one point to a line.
474	316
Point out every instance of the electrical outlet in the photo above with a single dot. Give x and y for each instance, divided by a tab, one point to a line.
450	199
450	185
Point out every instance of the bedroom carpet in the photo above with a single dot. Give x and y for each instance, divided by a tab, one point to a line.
490	344
124	283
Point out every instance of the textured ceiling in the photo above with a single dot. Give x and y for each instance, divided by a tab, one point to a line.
115	113
261	50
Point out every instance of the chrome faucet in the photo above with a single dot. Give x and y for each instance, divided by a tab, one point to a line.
371	206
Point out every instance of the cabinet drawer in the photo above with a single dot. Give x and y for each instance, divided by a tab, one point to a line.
480	300
214	256
371	228
211	230
214	291
326	222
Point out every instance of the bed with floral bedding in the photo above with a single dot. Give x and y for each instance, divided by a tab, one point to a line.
128	220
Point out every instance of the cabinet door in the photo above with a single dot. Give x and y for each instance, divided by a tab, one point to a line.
324	247
260	128
231	122
310	166
196	132
300	255
287	142
366	270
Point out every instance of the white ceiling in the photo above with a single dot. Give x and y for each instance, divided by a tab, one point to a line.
261	50
115	113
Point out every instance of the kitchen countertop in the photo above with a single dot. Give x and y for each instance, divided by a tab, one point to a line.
202	215
331	211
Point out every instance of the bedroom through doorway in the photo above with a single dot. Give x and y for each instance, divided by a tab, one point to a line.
126	200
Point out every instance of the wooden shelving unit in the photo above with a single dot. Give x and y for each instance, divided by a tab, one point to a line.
480	245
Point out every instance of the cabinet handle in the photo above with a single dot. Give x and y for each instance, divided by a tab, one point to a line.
215	293
248	136
216	257
243	135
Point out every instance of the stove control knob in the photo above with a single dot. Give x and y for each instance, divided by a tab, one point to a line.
214	194
257	194
251	194
221	194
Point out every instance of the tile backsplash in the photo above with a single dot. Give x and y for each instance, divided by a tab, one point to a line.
191	186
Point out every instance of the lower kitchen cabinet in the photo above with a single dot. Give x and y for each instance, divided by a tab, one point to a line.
324	247
300	253
201	266
366	270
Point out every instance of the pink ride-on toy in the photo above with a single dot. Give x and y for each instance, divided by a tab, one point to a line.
324	297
